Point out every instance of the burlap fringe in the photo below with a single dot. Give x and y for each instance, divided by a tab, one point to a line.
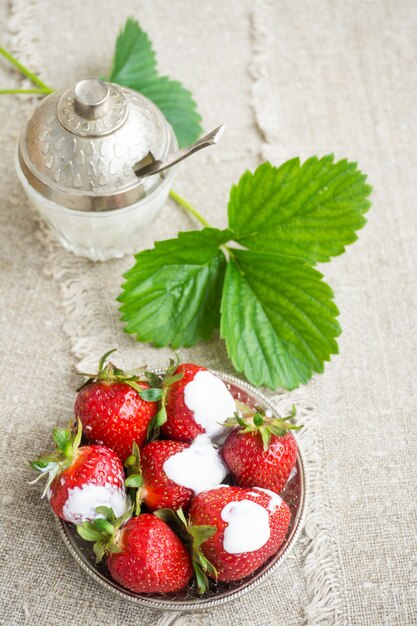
85	322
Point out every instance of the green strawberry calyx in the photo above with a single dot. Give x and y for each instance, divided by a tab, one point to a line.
51	465
108	372
193	536
134	480
162	385
104	531
262	422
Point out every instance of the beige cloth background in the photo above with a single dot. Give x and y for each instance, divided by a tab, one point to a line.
287	78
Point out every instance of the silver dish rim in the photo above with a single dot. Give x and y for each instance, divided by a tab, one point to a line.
226	596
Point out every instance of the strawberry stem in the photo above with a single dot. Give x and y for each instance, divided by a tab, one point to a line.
43	88
134	480
187	206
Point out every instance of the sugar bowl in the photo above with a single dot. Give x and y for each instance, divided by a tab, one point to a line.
80	157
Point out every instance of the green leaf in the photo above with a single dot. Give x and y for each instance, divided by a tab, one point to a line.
88	532
61	437
177	104
176	521
311	211
104	359
278	429
107	512
103	525
201	578
44	463
172	366
134	58
166	515
172	294
258	419
200	534
156	423
100	549
181	517
135	480
151	395
78	435
123	518
170	380
266	437
134	66
153	379
278	319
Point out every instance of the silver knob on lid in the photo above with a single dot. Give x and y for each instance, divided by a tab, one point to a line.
92	108
91	99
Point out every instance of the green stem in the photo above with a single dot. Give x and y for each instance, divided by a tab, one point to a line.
24	70
190	209
187	206
7	91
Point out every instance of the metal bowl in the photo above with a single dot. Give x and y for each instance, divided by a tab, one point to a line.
219	593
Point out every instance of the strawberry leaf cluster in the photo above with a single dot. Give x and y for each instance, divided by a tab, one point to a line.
255	280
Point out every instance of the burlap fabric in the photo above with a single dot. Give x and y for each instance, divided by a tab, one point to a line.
288	79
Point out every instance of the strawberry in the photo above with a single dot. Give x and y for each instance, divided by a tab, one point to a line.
262	451
169	473
197	403
115	408
158	490
251	526
143	553
81	478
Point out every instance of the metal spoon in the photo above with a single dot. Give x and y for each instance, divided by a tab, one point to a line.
149	166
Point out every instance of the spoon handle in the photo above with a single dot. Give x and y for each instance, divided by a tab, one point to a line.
158	166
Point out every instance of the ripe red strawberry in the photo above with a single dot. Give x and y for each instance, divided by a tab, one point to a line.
143	553
169	473
158	490
262	452
251	526
80	479
197	403
114	408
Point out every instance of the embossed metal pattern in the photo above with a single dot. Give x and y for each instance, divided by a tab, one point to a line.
90	173
79	125
220	593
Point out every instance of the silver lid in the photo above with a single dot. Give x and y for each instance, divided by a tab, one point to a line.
80	146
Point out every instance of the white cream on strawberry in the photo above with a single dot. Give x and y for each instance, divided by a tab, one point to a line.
198	467
210	400
82	502
247	527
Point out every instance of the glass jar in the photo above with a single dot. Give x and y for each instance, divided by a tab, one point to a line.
76	158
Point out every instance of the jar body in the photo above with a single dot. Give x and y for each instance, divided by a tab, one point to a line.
100	235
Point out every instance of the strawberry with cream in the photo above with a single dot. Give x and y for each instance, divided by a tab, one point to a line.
251	525
175	471
198	403
80	479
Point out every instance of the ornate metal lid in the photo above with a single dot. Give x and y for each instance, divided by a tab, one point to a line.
80	146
